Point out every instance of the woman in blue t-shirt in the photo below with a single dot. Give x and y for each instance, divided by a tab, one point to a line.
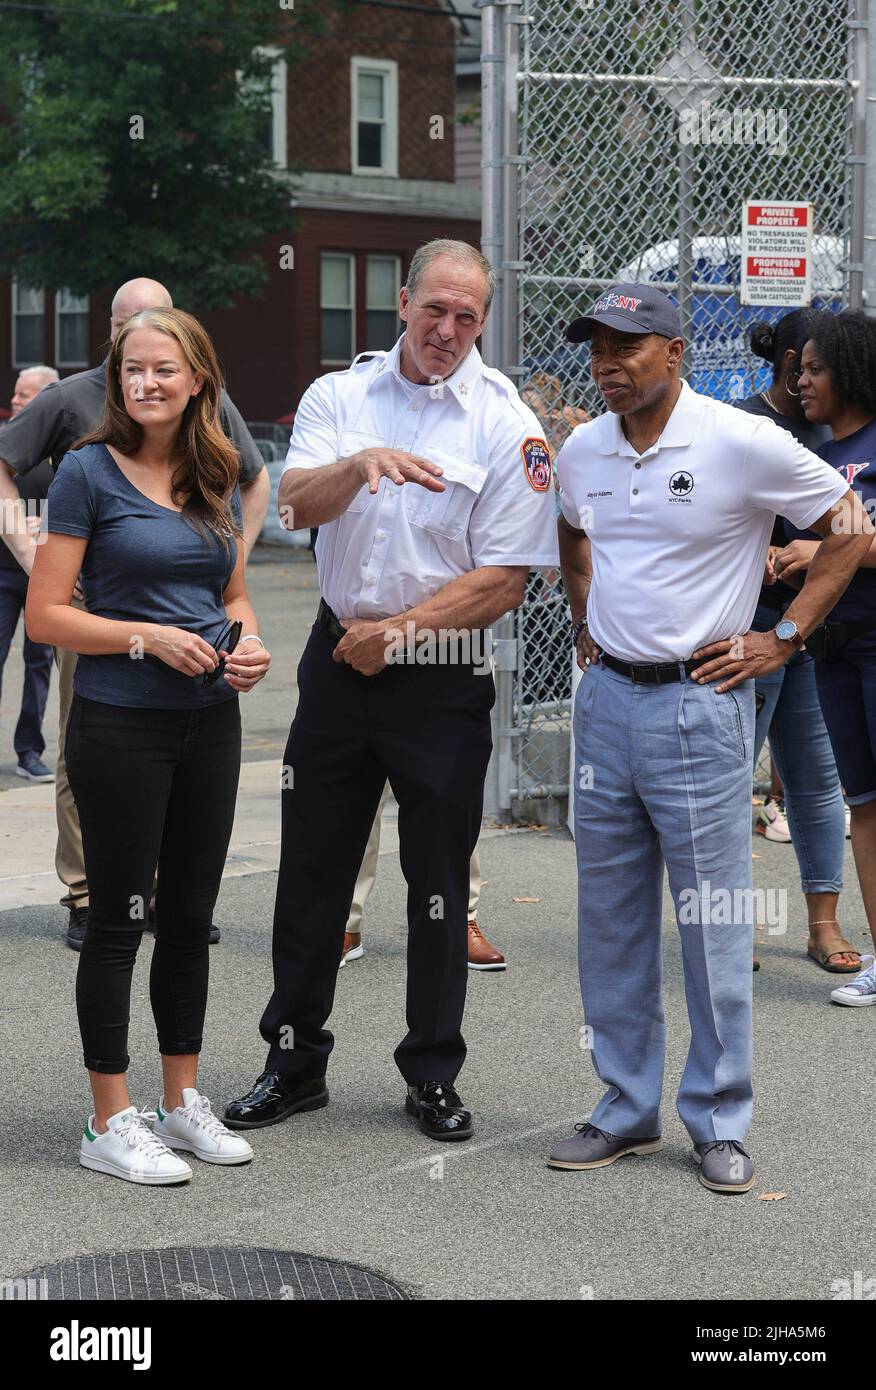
790	712
838	388
146	510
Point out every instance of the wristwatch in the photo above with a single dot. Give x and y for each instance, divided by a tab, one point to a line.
787	631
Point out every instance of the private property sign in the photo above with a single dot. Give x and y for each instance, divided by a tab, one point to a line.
776	267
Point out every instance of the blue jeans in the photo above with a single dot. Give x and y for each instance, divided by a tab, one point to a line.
663	775
791	716
28	737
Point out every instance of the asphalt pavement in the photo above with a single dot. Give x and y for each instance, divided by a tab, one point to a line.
482	1220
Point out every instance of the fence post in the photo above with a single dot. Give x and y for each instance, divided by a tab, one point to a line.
868	102
510	141
859	193
686	182
492	246
492	62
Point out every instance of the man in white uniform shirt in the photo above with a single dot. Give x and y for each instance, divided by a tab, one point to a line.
431	484
668	502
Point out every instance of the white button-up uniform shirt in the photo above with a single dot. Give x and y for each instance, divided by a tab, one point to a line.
679	534
394	549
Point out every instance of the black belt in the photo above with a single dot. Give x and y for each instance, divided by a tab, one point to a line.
326	618
649	675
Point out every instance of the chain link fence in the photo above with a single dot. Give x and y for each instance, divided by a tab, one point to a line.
620	140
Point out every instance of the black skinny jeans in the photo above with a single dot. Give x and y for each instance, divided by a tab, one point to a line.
152	787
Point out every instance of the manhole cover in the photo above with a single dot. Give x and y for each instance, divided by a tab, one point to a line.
193	1273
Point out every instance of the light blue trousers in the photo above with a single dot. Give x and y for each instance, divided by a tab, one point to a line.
663	775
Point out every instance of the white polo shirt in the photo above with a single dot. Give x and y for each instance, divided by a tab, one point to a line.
679	534
393	549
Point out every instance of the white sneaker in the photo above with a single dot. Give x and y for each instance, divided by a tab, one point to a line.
848	822
859	991
131	1151
194	1127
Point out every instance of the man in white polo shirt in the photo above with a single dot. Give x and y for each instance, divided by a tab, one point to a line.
431	484
668	501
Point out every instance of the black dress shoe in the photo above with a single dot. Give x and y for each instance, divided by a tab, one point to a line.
439	1111
76	927
272	1098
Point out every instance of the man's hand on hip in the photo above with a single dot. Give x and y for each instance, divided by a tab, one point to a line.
366	644
588	651
738	659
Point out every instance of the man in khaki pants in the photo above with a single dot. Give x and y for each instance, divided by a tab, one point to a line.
481	954
52	422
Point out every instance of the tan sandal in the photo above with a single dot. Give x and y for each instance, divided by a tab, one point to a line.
834	946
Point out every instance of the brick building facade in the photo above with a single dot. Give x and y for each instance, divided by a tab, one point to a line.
367	117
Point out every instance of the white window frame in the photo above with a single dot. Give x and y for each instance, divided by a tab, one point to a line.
59	362
388	69
279	94
279	90
382	308
349	256
16	315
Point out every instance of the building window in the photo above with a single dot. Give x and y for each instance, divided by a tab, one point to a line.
71	329
337	299
272	133
381	302
374	109
28	326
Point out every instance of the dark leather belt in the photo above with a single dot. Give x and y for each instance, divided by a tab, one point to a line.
326	618
649	675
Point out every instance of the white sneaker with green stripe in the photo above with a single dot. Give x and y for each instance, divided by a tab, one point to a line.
130	1150
194	1127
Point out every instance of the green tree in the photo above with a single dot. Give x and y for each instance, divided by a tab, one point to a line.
133	141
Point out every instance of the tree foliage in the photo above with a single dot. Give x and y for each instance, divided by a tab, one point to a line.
133	142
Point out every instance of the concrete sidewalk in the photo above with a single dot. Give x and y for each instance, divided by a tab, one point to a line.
357	1181
486	1220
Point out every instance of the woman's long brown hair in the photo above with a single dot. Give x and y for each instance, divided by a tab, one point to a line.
207	464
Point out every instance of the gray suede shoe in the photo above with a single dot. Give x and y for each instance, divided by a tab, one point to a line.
724	1166
595	1148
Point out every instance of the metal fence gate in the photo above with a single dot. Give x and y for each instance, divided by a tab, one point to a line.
619	141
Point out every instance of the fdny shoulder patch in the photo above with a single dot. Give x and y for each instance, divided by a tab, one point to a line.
537	462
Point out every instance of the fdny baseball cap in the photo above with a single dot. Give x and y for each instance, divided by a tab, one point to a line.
628	309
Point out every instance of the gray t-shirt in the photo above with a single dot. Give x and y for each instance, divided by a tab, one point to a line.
143	563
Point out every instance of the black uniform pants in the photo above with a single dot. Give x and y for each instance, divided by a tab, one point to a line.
427	730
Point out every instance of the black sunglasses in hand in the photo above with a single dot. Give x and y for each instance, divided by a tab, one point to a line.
227	642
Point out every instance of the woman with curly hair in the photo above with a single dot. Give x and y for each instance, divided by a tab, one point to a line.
789	711
838	388
147	509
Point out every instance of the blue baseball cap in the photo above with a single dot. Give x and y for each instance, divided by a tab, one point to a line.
628	309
